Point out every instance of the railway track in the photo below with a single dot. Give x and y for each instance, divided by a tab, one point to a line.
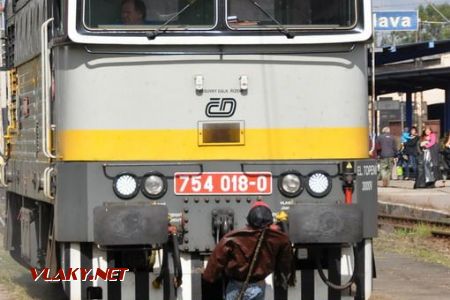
440	229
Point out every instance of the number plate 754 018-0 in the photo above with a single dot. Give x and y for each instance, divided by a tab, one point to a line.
220	183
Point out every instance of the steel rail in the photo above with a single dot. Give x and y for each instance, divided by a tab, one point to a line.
440	223
441	227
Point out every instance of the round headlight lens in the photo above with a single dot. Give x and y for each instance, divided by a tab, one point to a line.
154	186
319	184
125	186
290	185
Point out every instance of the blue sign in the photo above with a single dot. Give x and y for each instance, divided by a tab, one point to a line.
396	20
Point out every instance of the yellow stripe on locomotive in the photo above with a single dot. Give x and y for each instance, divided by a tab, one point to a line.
177	144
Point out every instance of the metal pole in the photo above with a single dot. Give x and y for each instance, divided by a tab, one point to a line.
373	108
420	106
409	110
447	110
402	117
3	85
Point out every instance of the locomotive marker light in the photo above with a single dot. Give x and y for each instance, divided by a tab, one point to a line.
290	185
154	185
348	176
318	184
125	186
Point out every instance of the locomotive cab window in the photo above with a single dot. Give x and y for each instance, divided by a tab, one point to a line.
149	14
295	14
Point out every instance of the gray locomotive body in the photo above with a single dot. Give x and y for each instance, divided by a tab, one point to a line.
118	132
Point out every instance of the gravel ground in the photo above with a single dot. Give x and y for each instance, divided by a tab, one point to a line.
15	281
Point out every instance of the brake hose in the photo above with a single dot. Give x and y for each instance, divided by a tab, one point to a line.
331	284
178	271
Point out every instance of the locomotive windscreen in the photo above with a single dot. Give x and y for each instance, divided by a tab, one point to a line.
136	14
201	14
292	13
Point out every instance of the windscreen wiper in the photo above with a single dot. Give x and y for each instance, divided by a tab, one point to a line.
163	28
281	27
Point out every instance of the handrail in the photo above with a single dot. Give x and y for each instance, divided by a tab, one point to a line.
47	181
45	86
44	181
3	182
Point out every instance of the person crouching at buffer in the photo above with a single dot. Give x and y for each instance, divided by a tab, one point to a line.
247	256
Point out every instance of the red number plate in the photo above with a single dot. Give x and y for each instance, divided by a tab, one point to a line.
219	183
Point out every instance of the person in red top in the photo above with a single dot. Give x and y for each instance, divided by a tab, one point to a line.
232	258
433	146
428	162
429	137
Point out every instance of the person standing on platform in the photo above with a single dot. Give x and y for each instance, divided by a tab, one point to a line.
433	147
411	147
446	154
428	162
388	149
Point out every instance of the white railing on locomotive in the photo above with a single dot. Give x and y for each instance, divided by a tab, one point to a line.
45	88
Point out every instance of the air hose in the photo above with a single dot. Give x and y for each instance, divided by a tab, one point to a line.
178	271
333	285
164	276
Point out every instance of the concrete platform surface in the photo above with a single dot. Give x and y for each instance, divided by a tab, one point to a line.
401	277
403	192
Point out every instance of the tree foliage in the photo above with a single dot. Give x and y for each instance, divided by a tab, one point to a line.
430	31
433	27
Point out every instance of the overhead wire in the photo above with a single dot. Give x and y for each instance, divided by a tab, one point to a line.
409	4
438	11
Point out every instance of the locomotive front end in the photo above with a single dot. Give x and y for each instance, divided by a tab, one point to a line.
165	127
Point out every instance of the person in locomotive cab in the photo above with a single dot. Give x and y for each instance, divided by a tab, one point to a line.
133	12
247	256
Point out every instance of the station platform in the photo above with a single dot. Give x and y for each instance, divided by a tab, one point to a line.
402	192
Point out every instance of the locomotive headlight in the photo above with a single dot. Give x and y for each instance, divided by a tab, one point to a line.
125	186
290	185
154	185
319	184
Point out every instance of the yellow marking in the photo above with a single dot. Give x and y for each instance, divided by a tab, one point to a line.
13	81
179	144
349	165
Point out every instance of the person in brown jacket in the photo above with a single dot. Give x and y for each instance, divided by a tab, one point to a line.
233	256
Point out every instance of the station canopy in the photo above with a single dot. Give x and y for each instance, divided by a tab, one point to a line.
414	79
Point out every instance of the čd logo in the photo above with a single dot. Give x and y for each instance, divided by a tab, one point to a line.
220	107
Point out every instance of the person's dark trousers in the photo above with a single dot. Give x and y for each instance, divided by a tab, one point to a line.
411	164
447	163
420	177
